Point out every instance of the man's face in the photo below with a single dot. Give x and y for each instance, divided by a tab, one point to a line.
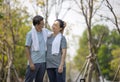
40	26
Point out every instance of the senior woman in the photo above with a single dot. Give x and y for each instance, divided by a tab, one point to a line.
56	53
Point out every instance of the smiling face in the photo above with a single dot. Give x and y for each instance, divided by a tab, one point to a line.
40	26
56	27
38	22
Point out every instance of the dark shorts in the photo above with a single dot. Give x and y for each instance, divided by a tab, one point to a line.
37	75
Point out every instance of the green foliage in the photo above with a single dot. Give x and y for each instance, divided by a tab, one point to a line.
105	53
116	60
115	37
82	52
1	15
14	25
98	31
20	57
104	58
1	2
4	58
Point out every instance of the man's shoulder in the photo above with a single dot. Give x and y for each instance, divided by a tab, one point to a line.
29	34
45	29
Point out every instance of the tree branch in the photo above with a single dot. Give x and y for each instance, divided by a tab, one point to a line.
115	17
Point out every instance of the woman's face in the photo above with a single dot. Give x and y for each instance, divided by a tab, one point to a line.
56	27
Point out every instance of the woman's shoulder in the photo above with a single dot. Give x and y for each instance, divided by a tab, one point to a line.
63	37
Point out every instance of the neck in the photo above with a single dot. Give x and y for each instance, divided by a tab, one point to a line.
38	29
54	34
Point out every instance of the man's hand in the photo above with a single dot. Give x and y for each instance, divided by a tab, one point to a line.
32	67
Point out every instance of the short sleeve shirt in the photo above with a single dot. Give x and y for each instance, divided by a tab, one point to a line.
53	61
37	56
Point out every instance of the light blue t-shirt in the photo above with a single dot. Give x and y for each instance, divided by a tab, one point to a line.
37	56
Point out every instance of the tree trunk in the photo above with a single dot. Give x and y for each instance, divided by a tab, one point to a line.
90	72
9	72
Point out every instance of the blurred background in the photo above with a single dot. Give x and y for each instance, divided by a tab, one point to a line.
92	33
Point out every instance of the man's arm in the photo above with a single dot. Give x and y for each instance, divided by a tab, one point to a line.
27	49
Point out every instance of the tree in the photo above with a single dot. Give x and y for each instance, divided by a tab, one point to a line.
12	35
115	20
88	11
82	51
115	62
115	37
98	32
109	44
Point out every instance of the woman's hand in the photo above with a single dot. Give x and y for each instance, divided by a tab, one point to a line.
60	69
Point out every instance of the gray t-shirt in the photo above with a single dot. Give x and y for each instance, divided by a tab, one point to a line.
53	61
37	56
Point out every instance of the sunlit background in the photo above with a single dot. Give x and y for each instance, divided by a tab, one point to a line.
16	20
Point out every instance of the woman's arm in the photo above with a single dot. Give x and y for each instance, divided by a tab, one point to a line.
60	69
